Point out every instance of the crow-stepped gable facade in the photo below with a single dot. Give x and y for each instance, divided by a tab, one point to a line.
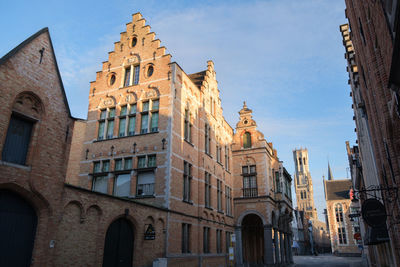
154	176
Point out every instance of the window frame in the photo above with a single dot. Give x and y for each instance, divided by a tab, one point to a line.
185	238
248	178
187	182
23	158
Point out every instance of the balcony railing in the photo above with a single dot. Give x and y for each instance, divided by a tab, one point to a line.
250	192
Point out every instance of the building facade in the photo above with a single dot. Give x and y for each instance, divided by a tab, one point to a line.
262	197
341	229
372	43
155	169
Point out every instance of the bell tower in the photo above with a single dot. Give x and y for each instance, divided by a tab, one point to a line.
303	183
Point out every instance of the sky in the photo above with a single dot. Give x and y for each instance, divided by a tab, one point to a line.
285	58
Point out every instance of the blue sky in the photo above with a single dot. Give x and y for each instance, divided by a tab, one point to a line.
283	57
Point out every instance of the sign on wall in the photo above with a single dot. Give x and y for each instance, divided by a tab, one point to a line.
373	212
150	233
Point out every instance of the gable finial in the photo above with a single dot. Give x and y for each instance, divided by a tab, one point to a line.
244	105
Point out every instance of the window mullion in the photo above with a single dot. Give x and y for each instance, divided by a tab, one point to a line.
131	76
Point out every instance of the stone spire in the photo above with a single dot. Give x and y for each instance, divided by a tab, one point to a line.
330	176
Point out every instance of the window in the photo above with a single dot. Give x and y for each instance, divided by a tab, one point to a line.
149	114
219	195
219	235
207	190
301	194
228	200
246	140
136	75
100	184
339	212
305	194
249	181
122	185
148	161
134	41
207	138
122	122
206	239
227	158
112	79
187	127
132	75
218	151
127	80
145	183
17	141
150	71
187	178
106	124
342	235
118	165
132	120
185	238
278	183
127	163
146	177
227	241
100	176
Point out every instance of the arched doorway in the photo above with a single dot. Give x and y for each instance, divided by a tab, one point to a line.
18	223
118	247
252	240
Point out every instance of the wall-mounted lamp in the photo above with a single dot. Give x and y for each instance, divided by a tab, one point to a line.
163	143
134	148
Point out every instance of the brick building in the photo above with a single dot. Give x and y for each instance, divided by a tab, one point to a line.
262	197
341	229
372	42
152	170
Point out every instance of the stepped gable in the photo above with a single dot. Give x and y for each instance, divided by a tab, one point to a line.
137	45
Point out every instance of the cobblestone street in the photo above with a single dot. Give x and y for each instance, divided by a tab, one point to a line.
327	260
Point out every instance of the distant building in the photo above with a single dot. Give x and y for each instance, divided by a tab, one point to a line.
338	208
303	183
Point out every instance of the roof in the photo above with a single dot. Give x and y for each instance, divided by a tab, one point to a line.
338	189
26	42
198	78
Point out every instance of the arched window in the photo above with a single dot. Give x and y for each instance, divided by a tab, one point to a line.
246	140
27	111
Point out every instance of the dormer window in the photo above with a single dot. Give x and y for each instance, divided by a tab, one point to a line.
246	140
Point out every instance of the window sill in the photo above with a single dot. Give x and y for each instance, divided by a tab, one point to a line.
125	136
144	196
145	169
24	167
187	202
230	216
188	142
221	212
209	208
208	155
220	164
95	174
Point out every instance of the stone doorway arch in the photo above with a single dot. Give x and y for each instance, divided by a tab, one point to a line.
253	240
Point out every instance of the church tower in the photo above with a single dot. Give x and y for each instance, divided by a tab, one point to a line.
303	183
